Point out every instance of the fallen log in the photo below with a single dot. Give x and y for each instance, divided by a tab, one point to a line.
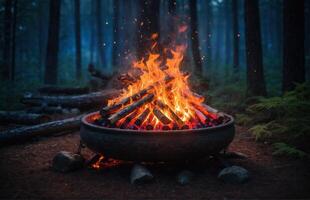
46	110
91	100
56	90
45	129
97	73
21	117
122	113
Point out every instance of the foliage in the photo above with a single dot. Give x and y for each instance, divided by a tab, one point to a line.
283	149
281	120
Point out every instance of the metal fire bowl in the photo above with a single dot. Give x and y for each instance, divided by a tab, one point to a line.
156	145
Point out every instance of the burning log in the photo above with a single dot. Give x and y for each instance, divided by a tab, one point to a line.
45	129
142	117
128	119
161	116
149	127
202	118
20	117
79	101
122	113
55	90
174	116
113	108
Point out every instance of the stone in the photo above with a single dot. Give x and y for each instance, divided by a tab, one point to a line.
140	174
65	161
75	111
185	177
234	174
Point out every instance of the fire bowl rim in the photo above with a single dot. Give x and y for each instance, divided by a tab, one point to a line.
208	130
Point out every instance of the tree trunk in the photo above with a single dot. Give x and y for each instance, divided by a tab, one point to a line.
172	6
293	39
14	41
209	27
255	73
236	35
228	34
7	46
115	33
78	39
100	40
148	24
195	38
51	65
92	32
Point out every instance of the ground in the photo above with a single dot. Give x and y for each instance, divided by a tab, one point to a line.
25	173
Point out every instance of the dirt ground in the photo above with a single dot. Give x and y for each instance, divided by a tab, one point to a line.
25	173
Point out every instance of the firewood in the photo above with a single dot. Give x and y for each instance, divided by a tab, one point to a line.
91	100
174	116
128	119
142	117
149	127
45	129
185	126
56	90
21	117
161	116
202	118
113	108
122	113
166	127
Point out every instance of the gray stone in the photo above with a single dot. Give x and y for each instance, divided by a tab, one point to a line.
75	111
234	174
185	177
140	174
65	161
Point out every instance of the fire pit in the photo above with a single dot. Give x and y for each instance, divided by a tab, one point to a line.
155	145
157	117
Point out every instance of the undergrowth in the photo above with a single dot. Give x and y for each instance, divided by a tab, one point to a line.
284	121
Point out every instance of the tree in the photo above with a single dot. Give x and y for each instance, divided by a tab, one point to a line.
100	39
148	25
195	38
209	27
172	6
293	39
78	39
51	62
236	35
115	32
255	73
7	46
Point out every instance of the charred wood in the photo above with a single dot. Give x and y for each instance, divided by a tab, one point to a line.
161	116
142	117
174	116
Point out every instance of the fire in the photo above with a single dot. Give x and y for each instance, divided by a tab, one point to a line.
169	85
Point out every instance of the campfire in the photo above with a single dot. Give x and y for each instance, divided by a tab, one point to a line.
158	97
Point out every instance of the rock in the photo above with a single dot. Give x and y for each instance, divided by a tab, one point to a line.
65	161
140	174
234	174
185	177
66	111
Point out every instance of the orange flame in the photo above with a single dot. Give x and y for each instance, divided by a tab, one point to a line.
177	94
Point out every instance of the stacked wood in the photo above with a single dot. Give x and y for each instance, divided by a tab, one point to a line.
45	129
174	116
56	90
161	116
90	100
142	117
21	117
122	113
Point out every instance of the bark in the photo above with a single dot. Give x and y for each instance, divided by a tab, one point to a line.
209	27
51	62
7	46
148	24
255	73
55	90
161	116
13	41
100	42
45	129
236	35
115	53
195	37
92	100
78	39
293	39
20	117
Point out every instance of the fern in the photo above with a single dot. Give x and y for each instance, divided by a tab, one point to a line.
283	149
261	131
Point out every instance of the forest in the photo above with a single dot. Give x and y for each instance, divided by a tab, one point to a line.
247	58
